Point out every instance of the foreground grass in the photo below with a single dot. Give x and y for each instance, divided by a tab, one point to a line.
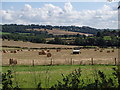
29	76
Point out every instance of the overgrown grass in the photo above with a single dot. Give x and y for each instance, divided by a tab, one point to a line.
4	33
28	76
107	38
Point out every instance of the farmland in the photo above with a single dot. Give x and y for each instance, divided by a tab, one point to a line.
60	32
28	76
33	45
64	56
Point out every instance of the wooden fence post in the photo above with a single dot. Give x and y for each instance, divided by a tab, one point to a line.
115	61
71	61
33	63
51	63
92	61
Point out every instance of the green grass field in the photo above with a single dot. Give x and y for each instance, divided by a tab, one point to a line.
4	33
107	38
10	33
29	76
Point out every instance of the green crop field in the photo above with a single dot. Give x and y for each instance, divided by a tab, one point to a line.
4	33
107	38
29	76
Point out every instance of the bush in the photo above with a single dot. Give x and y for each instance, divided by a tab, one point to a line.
7	81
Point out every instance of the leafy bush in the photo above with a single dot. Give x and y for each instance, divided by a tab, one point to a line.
70	81
7	81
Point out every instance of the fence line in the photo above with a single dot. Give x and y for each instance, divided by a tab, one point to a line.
68	61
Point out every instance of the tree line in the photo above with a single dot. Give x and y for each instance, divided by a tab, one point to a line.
19	32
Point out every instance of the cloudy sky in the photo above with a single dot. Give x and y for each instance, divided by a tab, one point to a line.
93	14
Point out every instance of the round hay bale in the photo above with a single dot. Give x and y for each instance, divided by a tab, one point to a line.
49	54
15	51
40	53
101	50
4	51
48	50
108	51
95	49
44	52
14	62
18	50
11	51
112	50
10	61
58	50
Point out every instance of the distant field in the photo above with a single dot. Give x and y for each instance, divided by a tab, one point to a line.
33	45
60	32
107	38
4	33
28	76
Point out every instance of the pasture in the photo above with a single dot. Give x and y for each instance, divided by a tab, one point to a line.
29	76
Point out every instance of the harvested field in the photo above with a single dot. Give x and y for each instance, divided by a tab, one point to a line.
33	45
58	56
60	32
26	57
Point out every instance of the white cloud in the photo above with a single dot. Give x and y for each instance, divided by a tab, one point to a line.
68	7
106	17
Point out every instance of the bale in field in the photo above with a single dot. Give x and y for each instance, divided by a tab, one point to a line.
28	49
48	50
108	51
58	50
11	51
4	51
101	50
18	50
49	54
95	49
40	53
15	51
113	50
12	62
44	52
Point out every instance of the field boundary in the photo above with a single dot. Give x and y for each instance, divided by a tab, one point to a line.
70	61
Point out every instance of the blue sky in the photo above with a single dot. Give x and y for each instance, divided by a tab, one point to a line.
94	14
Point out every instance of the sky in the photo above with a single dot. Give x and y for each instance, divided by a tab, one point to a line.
94	14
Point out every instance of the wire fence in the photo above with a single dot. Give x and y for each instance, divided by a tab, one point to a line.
68	61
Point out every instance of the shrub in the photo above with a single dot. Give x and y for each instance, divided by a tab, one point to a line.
7	81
